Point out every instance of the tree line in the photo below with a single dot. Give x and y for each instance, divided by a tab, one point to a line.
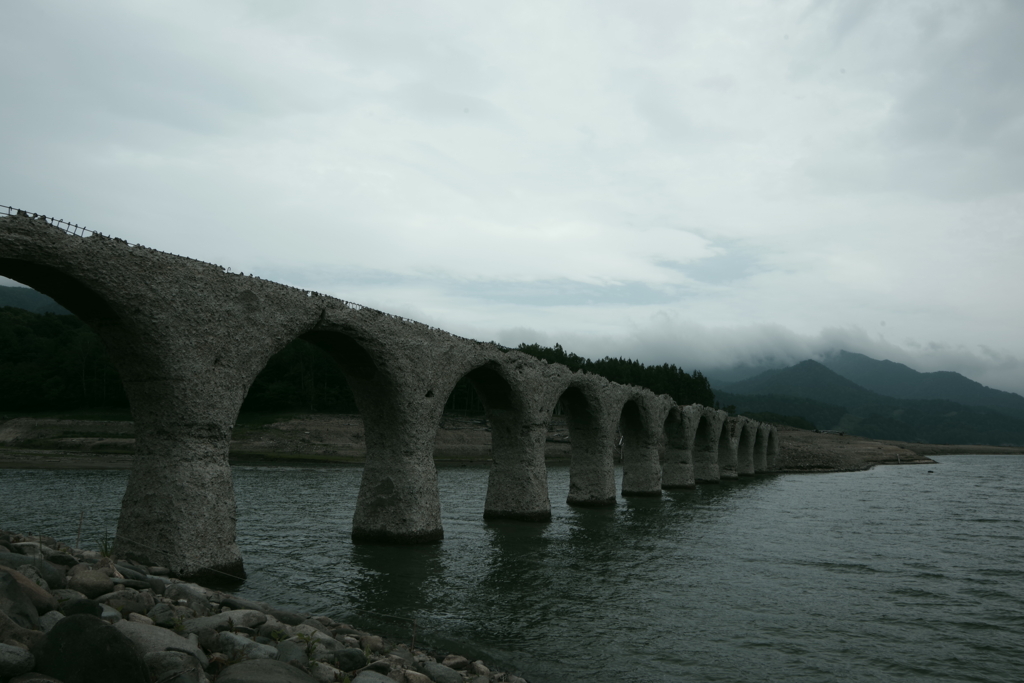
52	362
683	387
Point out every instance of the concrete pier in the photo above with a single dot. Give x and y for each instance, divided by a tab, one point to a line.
761	448
745	448
706	445
641	458
680	430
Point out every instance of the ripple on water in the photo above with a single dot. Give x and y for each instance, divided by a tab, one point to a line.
877	575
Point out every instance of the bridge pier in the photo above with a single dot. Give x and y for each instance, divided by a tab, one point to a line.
641	470
745	449
178	509
517	486
592	435
772	450
592	475
398	500
189	338
641	464
705	446
728	444
761	448
677	458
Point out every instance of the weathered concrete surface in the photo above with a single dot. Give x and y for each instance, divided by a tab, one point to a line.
179	333
591	420
772	449
761	448
728	443
705	445
677	454
518	394
189	338
745	448
642	428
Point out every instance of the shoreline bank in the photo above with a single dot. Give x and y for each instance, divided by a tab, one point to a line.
66	610
801	451
309	440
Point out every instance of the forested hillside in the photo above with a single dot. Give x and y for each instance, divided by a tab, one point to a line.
899	381
814	392
668	379
29	300
54	362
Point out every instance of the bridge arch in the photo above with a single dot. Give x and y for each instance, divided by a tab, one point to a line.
707	435
745	447
728	443
400	403
195	336
398	498
761	448
640	434
772	449
180	487
677	451
517	484
129	352
585	400
70	292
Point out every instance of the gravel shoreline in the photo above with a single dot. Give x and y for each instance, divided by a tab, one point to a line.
72	615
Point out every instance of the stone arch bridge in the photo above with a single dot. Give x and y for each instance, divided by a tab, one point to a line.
189	338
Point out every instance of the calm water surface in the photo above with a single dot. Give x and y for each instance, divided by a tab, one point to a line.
890	574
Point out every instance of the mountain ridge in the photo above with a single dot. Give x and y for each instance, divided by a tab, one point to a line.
813	391
29	300
897	380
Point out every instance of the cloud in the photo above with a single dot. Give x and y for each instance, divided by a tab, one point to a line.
941	98
755	174
712	350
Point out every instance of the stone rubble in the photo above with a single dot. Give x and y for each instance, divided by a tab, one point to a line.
75	616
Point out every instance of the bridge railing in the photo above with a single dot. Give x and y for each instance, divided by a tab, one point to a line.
67	226
82	231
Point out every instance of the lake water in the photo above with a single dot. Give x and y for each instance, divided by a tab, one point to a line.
890	574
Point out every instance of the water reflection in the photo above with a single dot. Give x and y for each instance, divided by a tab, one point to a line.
790	577
400	580
518	550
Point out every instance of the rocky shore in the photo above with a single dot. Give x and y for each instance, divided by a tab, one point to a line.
802	450
76	616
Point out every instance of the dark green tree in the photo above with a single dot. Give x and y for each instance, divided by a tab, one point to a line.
683	387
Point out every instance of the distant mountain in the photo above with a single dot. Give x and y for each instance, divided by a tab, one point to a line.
30	300
897	380
724	376
809	379
813	391
820	415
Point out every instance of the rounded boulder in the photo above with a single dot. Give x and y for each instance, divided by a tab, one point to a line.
85	649
14	661
264	671
91	583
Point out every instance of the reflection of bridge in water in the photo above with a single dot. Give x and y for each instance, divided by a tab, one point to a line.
189	338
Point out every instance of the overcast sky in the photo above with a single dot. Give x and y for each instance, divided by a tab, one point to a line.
698	183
